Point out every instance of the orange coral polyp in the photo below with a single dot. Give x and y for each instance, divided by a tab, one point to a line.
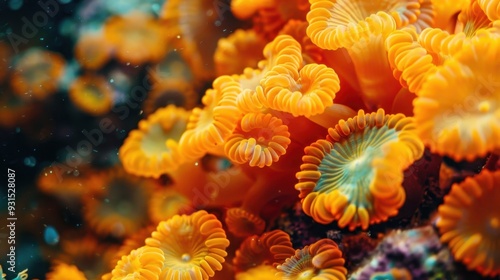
320	260
466	126
411	62
153	148
270	248
194	246
144	263
137	38
37	73
304	93
355	176
244	44
491	8
284	51
469	221
92	51
473	18
209	127
117	204
92	94
243	223
259	140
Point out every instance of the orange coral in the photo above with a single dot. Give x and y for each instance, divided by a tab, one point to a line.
446	12
302	93
144	263
320	260
410	60
472	18
259	140
355	175
269	20
469	221
117	205
247	45
194	246
91	94
210	126
137	38
92	51
363	35
64	271
153	148
491	8
270	248
67	186
467	125
36	73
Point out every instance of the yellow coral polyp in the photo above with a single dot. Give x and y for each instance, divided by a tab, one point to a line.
144	263
320	260
457	109
259	140
194	246
355	176
469	221
153	148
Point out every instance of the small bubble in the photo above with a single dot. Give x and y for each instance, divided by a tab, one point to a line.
50	235
41	38
30	161
111	80
217	23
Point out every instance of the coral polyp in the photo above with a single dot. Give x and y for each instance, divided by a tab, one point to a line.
233	139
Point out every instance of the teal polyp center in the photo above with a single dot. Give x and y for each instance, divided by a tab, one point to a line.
348	166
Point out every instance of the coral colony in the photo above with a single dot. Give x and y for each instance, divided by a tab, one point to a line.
280	139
